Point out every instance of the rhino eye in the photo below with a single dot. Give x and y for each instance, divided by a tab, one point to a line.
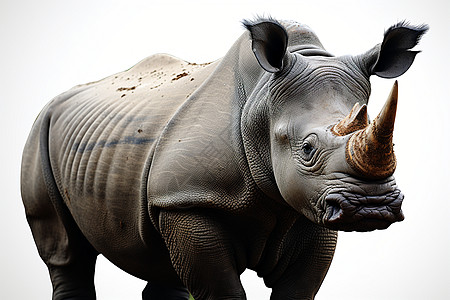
307	148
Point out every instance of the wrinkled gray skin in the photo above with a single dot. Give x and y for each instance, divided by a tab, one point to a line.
185	175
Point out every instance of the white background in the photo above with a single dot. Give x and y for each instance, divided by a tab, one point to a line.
48	46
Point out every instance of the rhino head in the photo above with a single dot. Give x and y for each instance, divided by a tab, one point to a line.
328	161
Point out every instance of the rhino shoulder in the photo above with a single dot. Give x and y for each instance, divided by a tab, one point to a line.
157	61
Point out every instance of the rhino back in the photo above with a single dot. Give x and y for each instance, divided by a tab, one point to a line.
101	141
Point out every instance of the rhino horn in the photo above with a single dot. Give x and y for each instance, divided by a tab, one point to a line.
357	119
370	151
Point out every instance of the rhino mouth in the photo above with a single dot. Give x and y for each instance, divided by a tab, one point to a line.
348	211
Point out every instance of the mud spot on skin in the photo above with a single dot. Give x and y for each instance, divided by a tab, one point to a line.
126	89
201	65
179	76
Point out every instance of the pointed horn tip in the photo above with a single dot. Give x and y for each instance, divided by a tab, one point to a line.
394	91
393	95
363	108
383	124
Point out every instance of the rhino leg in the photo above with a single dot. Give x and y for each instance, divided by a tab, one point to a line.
69	257
74	280
202	253
304	275
155	291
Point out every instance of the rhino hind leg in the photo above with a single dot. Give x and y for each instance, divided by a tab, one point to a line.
155	291
69	257
75	280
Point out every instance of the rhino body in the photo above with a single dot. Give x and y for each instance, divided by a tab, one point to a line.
185	174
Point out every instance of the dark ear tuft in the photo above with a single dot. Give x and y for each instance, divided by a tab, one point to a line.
405	35
269	42
395	57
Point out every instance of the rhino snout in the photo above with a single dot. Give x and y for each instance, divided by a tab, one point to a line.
352	211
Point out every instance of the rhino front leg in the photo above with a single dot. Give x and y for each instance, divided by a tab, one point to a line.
304	276
202	254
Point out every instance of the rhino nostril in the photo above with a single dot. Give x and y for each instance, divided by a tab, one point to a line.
334	210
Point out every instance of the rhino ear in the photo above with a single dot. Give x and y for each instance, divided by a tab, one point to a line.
393	57
269	43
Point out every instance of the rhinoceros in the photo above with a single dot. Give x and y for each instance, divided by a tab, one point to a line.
185	174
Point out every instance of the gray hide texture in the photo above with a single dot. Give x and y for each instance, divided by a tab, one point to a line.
186	174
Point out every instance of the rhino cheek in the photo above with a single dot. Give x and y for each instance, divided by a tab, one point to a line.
300	192
290	184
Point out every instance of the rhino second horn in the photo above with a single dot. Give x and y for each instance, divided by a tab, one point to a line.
357	119
370	151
